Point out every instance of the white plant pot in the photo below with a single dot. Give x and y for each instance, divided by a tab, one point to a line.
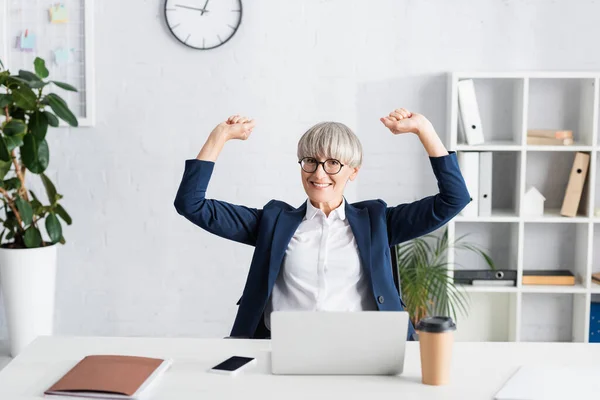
28	281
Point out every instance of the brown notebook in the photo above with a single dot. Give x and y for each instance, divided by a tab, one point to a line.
110	377
548	277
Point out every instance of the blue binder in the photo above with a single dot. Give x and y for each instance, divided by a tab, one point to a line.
595	323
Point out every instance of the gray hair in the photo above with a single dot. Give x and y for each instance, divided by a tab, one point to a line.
331	140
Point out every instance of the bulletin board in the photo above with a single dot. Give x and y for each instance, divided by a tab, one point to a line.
60	32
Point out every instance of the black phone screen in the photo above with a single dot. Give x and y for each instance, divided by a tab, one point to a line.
233	363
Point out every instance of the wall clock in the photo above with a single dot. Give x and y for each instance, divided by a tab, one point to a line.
203	24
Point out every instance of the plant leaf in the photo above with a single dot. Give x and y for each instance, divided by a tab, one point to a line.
50	189
32	237
52	120
35	154
4	153
12	184
25	210
14	127
38	125
5	100
12	142
1	65
24	97
61	109
4	168
29	76
53	227
63	214
17	113
38	208
33	81
40	67
33	195
65	86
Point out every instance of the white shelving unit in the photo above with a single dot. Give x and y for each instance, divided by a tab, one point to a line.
509	105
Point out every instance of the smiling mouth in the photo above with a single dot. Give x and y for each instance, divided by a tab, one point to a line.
320	185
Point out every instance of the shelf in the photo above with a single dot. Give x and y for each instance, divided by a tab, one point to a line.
553	317
563	104
577	288
487	289
498	240
549	172
573	147
511	103
553	216
497	216
524	74
488	317
492	145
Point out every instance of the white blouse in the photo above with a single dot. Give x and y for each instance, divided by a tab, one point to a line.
321	269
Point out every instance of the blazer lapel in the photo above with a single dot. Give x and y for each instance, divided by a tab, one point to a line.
286	226
361	228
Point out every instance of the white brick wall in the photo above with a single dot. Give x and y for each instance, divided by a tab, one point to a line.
132	266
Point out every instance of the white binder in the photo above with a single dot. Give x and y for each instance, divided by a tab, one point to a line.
468	163
469	117
485	184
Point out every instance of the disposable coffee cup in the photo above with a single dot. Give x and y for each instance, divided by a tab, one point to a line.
436	339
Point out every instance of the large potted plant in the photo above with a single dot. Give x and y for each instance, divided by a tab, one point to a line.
31	225
427	286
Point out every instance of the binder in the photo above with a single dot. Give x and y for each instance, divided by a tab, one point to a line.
468	163
575	185
468	109
485	184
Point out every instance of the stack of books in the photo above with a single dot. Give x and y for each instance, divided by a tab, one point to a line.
550	137
596	278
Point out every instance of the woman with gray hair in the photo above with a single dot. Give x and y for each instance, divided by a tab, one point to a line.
327	254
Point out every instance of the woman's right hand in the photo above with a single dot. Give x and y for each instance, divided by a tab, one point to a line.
235	127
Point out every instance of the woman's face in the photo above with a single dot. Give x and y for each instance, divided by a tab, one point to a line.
322	187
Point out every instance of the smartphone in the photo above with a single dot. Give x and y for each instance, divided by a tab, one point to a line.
233	365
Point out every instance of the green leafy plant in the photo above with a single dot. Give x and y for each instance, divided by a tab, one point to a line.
28	112
427	287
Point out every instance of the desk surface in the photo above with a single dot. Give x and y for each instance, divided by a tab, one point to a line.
478	369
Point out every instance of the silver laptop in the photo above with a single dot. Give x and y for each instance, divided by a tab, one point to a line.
338	343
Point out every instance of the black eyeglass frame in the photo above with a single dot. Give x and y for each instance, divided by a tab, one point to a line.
321	163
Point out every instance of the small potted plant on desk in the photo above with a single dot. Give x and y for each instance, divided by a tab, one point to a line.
427	287
27	258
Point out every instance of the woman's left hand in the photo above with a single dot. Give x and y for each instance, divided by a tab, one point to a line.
403	121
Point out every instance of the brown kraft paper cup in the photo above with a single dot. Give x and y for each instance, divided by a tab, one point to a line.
436	339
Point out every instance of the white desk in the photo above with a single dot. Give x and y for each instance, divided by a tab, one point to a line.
478	369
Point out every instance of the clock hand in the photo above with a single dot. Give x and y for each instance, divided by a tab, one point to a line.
205	4
192	8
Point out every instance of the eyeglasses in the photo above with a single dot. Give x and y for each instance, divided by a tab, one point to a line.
330	166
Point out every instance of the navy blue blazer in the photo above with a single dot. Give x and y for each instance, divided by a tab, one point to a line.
376	227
